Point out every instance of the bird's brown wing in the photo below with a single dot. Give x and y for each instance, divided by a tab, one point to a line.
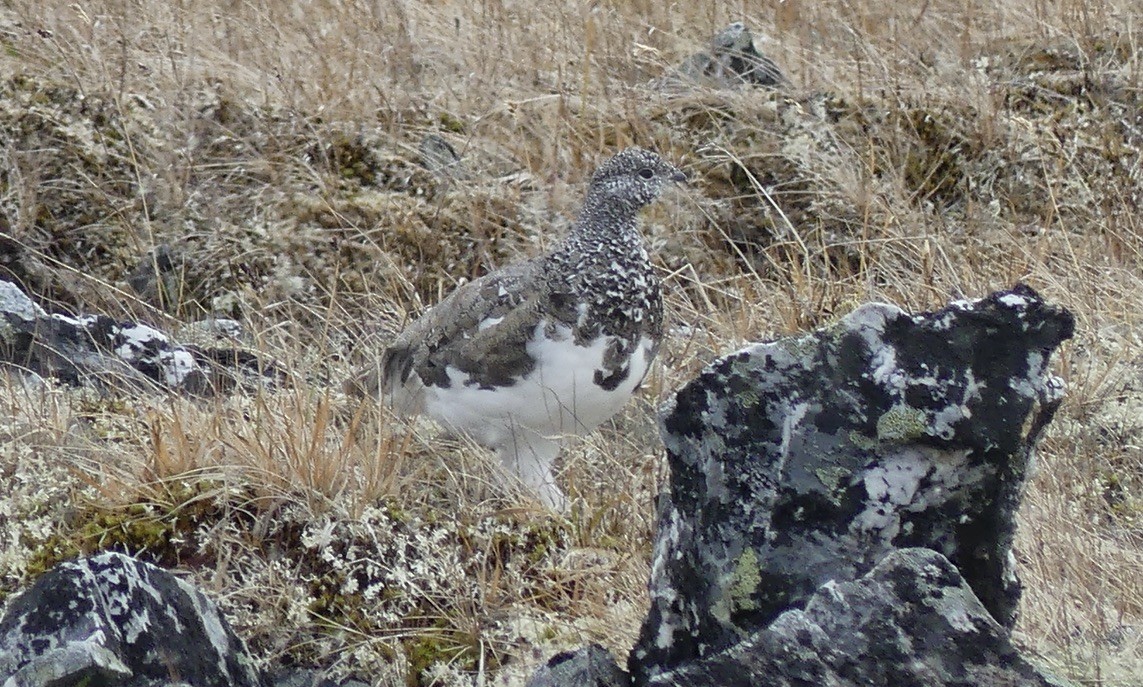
480	328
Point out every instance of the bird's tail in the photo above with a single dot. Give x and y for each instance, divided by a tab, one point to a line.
390	381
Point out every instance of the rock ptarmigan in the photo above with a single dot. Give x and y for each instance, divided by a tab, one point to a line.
544	348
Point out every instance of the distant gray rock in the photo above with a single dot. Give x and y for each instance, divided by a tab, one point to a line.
439	157
730	61
807	461
90	348
114	621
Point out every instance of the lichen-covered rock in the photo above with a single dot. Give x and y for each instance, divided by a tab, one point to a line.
809	459
78	349
112	353
113	620
912	620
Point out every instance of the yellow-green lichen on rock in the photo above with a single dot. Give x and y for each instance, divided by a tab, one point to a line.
747	578
834	478
901	424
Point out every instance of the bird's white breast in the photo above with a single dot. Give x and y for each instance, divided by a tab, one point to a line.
558	396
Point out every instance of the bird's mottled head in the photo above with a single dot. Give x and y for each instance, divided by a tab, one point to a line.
634	177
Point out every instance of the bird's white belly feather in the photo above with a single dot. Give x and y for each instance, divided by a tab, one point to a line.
559	395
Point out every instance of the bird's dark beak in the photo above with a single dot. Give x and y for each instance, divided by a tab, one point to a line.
678	177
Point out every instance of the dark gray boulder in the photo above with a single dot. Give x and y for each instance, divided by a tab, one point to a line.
808	460
90	347
591	666
912	620
113	620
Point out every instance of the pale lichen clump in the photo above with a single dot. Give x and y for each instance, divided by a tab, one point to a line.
41	436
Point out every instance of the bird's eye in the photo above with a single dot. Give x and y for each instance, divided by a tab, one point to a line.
646	173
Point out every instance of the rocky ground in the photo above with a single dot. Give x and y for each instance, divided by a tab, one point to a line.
162	165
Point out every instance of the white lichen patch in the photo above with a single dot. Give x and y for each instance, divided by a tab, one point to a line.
16	302
1014	301
893	486
38	453
869	321
137	341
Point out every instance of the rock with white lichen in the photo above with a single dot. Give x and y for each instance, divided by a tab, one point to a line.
912	620
806	461
113	620
104	351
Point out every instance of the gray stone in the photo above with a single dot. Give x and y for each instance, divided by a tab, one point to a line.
912	620
440	157
107	353
113	620
808	460
591	666
16	302
730	61
90	347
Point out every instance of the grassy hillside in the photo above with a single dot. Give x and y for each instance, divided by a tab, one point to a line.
924	152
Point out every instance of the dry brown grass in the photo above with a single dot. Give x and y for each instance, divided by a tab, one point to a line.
926	152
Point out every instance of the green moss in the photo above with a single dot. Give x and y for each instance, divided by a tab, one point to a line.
351	158
452	124
1119	492
162	528
49	553
534	540
397	514
442	645
333	608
